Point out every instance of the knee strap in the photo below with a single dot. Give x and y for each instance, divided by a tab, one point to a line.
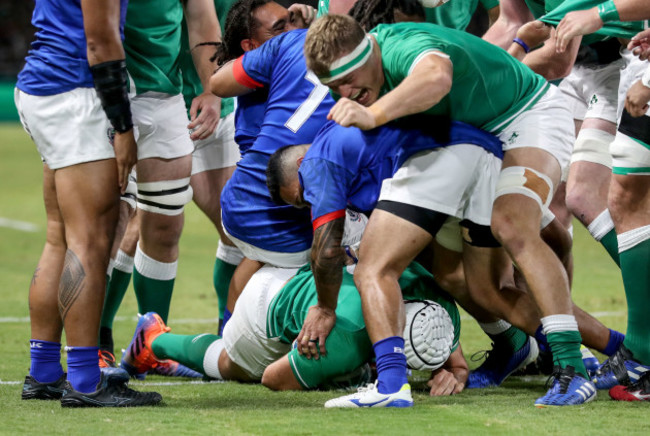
165	197
592	145
528	182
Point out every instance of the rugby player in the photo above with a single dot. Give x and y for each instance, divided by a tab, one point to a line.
256	344
74	70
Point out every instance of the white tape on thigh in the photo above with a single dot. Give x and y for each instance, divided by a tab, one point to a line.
592	145
528	182
166	197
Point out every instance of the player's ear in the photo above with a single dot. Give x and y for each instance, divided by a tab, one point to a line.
299	161
248	44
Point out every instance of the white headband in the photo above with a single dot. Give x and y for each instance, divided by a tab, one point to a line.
350	62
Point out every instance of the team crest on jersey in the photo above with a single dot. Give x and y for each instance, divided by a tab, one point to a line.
110	134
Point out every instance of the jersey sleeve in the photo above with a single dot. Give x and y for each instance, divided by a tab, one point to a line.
400	59
326	187
257	65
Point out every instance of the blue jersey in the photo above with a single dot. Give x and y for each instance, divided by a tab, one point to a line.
296	108
57	61
345	166
249	115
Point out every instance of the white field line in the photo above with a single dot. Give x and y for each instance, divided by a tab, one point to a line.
137	383
25	319
23	226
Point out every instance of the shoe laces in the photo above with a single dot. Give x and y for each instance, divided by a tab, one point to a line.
368	387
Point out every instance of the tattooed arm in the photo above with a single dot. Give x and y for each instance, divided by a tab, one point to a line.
327	260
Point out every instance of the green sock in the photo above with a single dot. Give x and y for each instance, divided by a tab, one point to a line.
513	338
153	295
635	263
610	242
221	276
115	290
565	346
188	350
153	282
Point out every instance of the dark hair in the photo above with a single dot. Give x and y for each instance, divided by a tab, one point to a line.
240	25
276	174
370	13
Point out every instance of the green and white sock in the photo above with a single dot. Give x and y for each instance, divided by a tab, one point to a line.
634	253
116	287
503	333
564	339
193	351
153	282
226	262
602	229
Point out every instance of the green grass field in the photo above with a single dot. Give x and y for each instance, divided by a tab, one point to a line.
232	408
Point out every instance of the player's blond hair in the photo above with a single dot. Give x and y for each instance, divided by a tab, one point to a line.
329	38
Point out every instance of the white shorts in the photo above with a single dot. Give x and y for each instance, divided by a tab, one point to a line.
458	180
244	336
548	125
592	92
274	258
217	151
160	126
68	128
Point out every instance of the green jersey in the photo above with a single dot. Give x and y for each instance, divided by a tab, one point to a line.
191	81
490	87
323	8
152	35
616	29
348	345
456	14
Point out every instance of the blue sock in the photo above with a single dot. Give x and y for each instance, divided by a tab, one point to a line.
226	317
46	361
83	368
615	341
391	364
541	340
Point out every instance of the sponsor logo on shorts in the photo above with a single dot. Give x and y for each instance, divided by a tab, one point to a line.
513	138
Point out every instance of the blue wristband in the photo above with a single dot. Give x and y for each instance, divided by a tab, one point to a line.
522	44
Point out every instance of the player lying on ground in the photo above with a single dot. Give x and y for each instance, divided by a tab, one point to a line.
256	344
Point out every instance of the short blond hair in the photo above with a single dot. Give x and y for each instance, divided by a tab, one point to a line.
329	38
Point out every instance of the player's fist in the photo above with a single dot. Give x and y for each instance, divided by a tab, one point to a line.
636	100
348	113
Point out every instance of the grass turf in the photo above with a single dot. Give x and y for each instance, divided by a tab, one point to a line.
232	408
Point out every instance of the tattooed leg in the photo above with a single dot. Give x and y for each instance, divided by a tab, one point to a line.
72	283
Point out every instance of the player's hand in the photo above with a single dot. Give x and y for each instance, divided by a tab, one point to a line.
574	24
208	108
636	100
534	33
126	155
348	113
640	45
318	324
444	382
301	16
